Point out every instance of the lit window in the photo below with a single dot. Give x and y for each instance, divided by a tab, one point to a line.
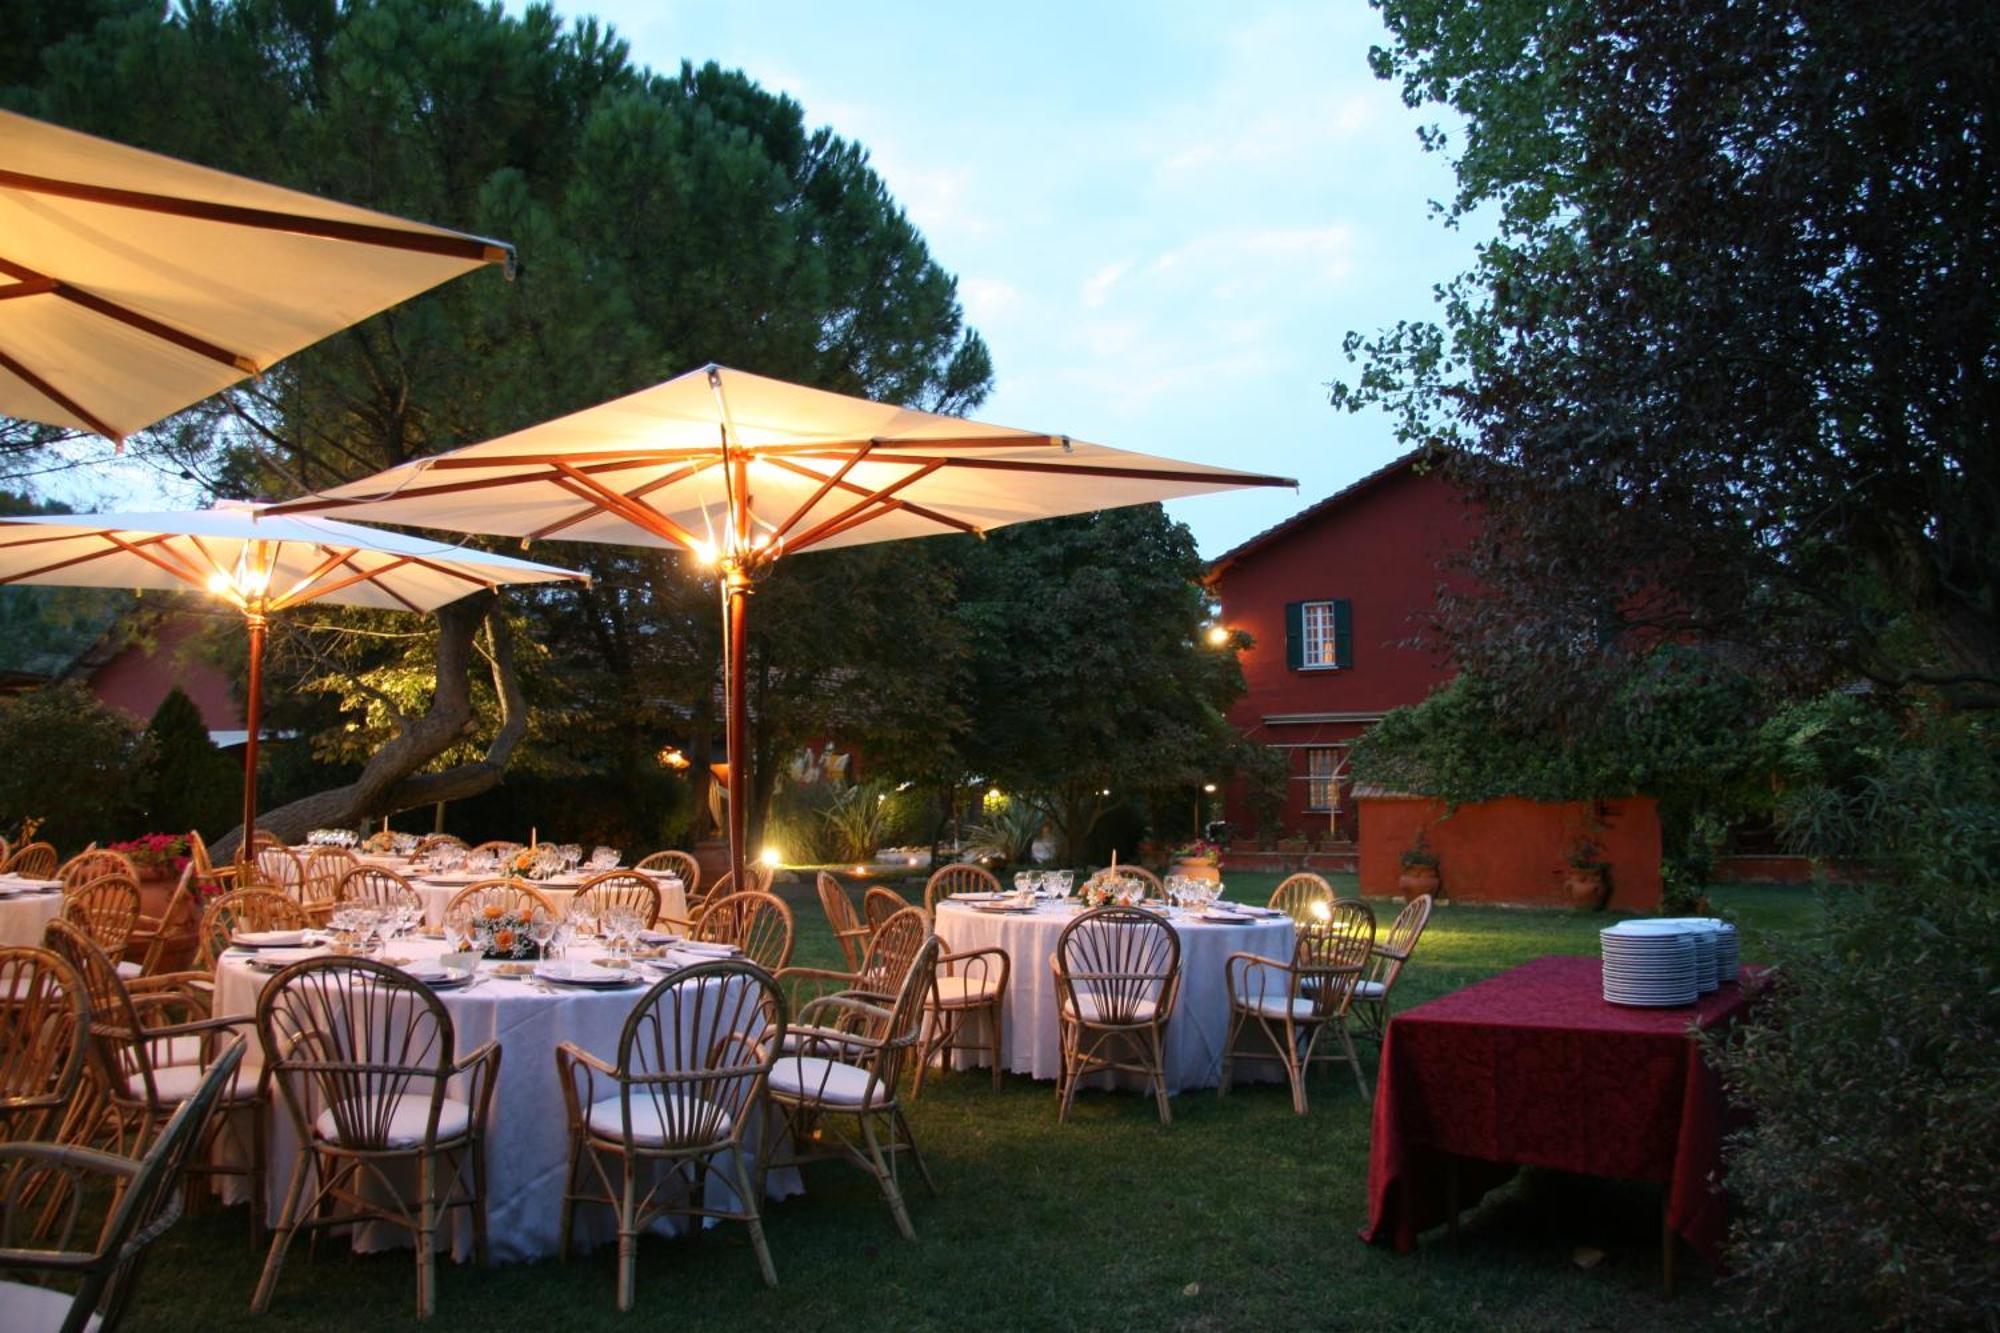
1318	646
1322	778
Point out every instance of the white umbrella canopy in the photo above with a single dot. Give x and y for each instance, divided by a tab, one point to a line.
132	284
739	469
259	563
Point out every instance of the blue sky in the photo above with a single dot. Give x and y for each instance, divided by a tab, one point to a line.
1163	217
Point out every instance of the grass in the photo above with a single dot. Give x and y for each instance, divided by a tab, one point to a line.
1239	1214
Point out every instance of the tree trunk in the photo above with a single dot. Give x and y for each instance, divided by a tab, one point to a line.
391	781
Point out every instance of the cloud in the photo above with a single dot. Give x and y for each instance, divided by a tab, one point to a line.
1098	286
988	298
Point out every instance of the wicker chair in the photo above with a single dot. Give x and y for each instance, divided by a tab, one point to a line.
146	1199
679	864
848	931
1155	889
496	847
156	934
107	910
960	878
885	961
756	878
852	1074
211	877
263	838
757	923
509	895
619	888
325	867
375	886
968	985
1117	976
1305	898
243	910
275	868
687	1088
37	860
364	1057
425	846
1386	963
96	863
879	904
44	1037
1291	1004
146	1063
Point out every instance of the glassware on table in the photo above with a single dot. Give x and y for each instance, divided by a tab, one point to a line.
1024	881
583	922
541	930
458	930
1062	882
605	858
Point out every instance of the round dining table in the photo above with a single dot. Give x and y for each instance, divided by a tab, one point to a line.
1200	1024
26	908
527	1145
437	891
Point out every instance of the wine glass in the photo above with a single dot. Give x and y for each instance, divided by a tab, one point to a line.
582	920
541	929
1064	882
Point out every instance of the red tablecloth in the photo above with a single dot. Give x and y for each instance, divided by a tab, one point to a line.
1533	1068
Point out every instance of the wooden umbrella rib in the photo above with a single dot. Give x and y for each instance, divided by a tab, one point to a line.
60	399
832	480
1103	470
370	576
28	287
133	319
881	497
640	515
909	506
356	574
117	545
292	595
452	245
680	474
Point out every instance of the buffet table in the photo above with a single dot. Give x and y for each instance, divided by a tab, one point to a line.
1533	1068
1200	1023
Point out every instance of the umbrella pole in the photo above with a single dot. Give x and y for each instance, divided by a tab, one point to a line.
253	706
738	589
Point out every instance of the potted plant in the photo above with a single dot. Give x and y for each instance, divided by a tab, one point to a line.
1588	879
1420	870
1199	859
156	856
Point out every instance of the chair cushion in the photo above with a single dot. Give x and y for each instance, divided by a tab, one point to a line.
406	1121
803	1036
966	992
828	1082
1274	1006
1093	1008
1369	990
176	1083
26	1309
183	1050
129	969
607	1120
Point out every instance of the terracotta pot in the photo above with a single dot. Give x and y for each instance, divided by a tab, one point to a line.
1197	867
1416	880
156	891
1588	888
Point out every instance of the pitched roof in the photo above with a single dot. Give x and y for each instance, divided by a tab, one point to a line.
1312	512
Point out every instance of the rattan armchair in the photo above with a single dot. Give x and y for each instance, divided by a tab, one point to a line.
106	909
1290	1005
274	867
959	878
885	961
1155	889
838	1092
618	888
94	864
879	904
374	886
319	890
430	843
681	865
211	877
1117	977
511	896
760	924
1305	898
364	1057
848	931
682	1103
969	985
1385	964
756	879
36	860
240	911
44	1038
42	1230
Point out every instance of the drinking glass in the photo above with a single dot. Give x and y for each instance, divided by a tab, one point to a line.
541	929
583	921
1064	882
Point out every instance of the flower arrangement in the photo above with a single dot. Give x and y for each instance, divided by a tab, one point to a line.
499	933
379	844
534	862
156	853
1420	854
1201	849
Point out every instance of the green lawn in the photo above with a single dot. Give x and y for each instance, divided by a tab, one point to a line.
1239	1215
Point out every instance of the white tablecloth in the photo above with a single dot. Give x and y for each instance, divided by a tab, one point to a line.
23	915
1200	1023
527	1146
437	893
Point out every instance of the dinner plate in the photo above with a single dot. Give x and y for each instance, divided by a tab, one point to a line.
277	960
1003	909
268	939
980	897
587	975
1228	918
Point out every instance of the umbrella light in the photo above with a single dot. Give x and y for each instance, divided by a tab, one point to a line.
132	284
258	563
739	470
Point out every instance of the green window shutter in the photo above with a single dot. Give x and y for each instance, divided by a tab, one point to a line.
1295	635
1343	634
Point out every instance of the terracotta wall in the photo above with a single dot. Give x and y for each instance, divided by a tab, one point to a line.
1514	851
137	680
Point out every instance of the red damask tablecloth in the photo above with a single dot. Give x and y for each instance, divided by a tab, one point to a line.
1533	1068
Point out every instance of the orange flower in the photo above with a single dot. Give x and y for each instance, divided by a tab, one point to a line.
492	911
503	940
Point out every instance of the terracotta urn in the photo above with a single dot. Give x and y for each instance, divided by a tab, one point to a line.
1418	880
1588	887
1197	867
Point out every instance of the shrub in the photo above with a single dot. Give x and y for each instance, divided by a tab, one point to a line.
858	820
188	782
73	763
1867	1180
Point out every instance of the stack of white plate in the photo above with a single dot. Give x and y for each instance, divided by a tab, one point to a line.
1725	941
1653	964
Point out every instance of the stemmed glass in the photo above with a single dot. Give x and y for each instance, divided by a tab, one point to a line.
582	921
541	930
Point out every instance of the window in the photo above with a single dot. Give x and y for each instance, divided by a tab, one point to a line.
1319	635
1322	778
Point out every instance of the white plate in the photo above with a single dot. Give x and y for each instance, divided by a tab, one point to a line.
268	939
277	960
979	897
1001	908
566	973
1227	918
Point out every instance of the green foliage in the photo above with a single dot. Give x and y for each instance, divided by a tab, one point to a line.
79	767
859	818
188	783
1874	1070
1007	829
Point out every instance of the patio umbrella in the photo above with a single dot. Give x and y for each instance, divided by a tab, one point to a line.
260	565
141	284
740	470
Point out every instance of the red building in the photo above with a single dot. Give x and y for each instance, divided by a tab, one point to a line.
1331	597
